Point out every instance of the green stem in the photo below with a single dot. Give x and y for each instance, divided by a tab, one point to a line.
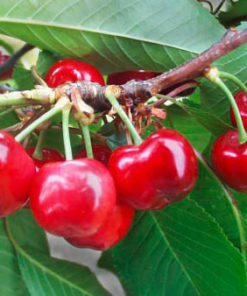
87	139
9	110
114	102
38	154
66	135
225	89
56	109
234	79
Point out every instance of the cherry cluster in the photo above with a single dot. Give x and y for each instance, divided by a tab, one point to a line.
91	202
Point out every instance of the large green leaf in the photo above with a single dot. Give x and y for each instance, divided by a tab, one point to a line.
114	34
236	12
11	282
44	275
179	251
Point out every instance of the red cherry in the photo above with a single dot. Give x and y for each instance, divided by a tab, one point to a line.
113	230
229	160
241	100
8	74
16	172
49	155
69	70
123	77
72	198
160	171
101	152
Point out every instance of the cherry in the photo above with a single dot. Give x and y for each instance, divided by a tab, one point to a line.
161	170
241	100
49	155
72	198
123	77
8	74
111	232
68	70
101	152
16	172
229	160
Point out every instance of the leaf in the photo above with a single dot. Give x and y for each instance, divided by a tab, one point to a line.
211	194
237	11
44	275
114	35
11	283
197	135
179	251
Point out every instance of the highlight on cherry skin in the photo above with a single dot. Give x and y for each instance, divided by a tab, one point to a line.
229	160
48	155
101	153
241	100
113	230
164	164
16	173
72	198
69	70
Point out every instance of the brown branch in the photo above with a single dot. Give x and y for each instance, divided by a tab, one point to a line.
94	94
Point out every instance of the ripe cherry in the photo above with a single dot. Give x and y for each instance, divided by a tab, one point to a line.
123	77
229	160
69	70
8	74
241	100
161	170
16	172
111	232
101	152
72	198
49	155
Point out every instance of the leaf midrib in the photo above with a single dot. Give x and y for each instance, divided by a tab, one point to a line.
80	28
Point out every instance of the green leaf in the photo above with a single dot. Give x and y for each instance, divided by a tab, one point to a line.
114	35
44	275
211	194
179	251
11	282
197	135
237	11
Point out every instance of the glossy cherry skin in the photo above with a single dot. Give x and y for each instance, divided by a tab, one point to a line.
123	77
49	155
69	70
16	172
241	100
101	153
229	160
160	171
72	198
111	232
8	74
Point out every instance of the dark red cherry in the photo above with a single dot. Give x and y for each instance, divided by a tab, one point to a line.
16	172
229	160
100	152
160	171
113	230
72	198
8	74
241	100
69	70
123	77
49	155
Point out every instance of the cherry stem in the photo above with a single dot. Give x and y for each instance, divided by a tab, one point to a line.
87	139
234	79
55	110
115	104
66	135
38	154
213	76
